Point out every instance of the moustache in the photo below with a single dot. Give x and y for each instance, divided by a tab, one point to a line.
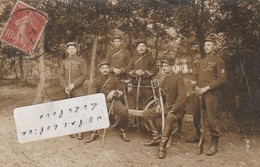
105	72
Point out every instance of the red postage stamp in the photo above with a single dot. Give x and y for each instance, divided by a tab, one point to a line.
24	27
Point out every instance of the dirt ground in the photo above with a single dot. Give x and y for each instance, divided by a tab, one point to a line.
235	150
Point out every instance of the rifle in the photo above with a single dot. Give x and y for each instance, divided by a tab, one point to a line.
162	107
202	126
154	95
69	79
137	101
109	111
125	96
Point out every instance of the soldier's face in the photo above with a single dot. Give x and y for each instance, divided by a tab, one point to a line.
166	68
72	50
104	69
209	47
117	42
141	48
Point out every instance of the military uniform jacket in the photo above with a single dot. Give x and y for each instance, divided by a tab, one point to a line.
77	68
118	58
210	72
143	62
105	84
175	92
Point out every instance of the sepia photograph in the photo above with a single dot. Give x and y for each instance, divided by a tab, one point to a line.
134	83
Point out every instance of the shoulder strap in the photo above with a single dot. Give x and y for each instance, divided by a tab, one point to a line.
138	60
106	82
117	53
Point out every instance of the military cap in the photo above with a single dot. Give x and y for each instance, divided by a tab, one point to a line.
167	61
103	63
71	44
210	39
140	41
117	37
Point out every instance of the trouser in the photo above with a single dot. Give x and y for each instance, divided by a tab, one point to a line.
122	112
210	104
171	118
194	106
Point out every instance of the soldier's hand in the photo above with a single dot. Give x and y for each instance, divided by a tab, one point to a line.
158	109
67	91
70	87
139	72
197	88
110	95
201	91
117	71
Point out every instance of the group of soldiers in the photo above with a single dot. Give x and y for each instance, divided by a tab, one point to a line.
141	68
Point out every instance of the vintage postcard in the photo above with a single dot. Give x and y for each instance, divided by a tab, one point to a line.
129	83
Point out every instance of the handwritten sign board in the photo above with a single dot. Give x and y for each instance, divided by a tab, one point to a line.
64	117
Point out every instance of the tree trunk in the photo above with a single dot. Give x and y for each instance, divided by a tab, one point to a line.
130	45
156	46
21	66
1	67
42	69
14	67
27	65
106	43
41	84
93	60
200	23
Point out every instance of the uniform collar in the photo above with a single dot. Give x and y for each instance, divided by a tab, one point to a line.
73	57
118	49
140	55
105	76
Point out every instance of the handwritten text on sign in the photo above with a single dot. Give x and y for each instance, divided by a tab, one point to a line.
62	117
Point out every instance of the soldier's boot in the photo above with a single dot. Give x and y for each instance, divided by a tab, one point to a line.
195	138
155	134
162	147
94	135
213	149
80	136
163	142
123	124
123	135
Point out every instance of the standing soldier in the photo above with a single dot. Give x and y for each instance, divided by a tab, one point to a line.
73	72
111	87
142	67
118	58
175	95
211	75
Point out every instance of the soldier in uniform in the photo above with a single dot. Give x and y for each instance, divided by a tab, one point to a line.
118	58
110	85
142	67
73	72
209	77
175	95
